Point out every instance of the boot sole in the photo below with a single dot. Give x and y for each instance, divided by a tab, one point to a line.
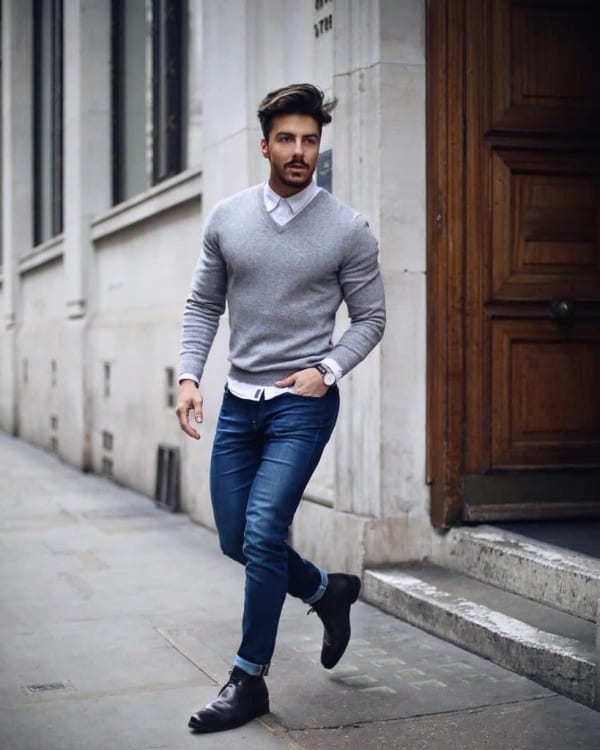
200	728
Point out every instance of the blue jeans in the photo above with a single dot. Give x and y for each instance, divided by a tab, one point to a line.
263	455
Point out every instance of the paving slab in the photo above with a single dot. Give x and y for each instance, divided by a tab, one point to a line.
148	718
552	723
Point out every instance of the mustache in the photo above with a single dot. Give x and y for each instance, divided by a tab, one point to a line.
299	162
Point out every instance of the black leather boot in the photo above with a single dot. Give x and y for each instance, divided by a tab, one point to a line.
333	608
243	698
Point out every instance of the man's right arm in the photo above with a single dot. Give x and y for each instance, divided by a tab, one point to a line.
204	307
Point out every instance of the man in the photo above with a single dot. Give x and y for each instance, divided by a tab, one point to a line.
284	255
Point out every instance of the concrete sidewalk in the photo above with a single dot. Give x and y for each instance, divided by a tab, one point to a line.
118	620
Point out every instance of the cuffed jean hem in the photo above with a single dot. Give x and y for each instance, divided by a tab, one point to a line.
321	590
256	670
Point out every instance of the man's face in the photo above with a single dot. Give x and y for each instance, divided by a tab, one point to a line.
292	150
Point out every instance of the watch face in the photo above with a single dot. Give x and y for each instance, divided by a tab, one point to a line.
328	376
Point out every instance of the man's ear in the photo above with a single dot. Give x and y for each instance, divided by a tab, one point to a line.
264	148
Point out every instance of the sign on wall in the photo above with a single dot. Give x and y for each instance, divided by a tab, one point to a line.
325	169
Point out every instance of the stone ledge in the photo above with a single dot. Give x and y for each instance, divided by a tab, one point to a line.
168	194
543	572
47	252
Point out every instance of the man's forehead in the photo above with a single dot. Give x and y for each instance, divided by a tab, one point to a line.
295	124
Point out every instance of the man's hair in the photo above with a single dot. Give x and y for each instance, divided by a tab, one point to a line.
295	99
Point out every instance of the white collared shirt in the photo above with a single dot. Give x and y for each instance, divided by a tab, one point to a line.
281	210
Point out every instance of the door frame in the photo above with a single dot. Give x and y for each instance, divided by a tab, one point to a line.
446	226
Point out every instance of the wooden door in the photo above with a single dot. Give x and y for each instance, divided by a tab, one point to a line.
525	356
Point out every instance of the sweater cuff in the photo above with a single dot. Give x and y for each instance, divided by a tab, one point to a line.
333	366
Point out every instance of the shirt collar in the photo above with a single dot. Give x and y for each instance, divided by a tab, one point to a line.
296	202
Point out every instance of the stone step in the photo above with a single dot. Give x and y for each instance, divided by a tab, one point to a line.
566	580
551	647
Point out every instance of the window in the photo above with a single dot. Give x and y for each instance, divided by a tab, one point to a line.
106	388
107	440
47	119
129	98
147	93
170	386
167	88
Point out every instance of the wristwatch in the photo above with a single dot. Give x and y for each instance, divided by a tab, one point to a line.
328	376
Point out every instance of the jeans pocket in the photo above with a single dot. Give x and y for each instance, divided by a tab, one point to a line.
328	392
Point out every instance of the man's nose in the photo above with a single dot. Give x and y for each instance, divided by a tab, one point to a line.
299	147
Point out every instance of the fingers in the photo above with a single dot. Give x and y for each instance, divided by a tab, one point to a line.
287	382
189	400
183	416
308	382
198	414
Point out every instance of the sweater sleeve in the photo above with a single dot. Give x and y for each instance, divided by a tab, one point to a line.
363	292
204	306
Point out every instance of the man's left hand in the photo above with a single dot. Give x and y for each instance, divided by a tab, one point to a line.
307	382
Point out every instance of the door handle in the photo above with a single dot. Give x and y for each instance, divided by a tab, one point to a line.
562	311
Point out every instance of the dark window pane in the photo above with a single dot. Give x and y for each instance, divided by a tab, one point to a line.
167	87
47	118
129	36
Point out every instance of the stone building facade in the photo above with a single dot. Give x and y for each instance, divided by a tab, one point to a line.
119	133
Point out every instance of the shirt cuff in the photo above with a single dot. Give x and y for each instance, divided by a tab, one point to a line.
188	376
333	366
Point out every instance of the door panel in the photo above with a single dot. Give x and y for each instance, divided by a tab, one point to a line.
545	395
532	258
546	225
542	66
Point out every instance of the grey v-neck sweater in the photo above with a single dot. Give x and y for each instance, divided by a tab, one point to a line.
283	286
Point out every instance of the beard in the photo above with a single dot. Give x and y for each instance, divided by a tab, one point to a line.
300	180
